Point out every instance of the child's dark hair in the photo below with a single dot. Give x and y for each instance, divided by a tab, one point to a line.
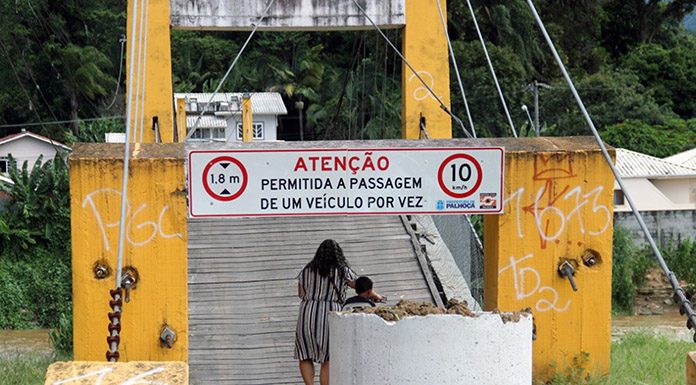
363	284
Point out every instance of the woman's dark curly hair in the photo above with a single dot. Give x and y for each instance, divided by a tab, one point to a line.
329	256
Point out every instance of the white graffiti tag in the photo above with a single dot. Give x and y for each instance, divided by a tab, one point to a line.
545	210
145	230
527	283
422	92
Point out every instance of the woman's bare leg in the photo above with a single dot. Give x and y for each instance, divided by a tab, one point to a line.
324	373
307	371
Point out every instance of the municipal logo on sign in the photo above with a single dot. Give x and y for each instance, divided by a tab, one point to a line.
488	200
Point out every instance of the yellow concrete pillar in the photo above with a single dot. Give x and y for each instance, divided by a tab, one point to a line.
156	63
558	208
181	130
155	247
425	47
247	119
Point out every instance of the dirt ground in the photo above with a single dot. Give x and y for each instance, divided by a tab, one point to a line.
410	309
654	311
655	296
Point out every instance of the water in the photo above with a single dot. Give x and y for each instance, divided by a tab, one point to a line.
34	341
670	324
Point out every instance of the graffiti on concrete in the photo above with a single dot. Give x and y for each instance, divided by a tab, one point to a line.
140	229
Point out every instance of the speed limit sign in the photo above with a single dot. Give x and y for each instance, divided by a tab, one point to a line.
460	175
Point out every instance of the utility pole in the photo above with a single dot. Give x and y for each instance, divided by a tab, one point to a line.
534	87
536	107
299	105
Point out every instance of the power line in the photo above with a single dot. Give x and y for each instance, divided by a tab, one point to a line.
60	122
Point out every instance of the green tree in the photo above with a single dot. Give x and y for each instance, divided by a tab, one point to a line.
662	140
86	78
669	73
641	21
484	102
58	60
610	97
198	59
38	214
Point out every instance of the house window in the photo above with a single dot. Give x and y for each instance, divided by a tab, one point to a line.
203	133
4	164
258	131
619	198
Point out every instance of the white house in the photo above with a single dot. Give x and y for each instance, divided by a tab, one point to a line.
664	192
28	147
686	158
221	119
654	183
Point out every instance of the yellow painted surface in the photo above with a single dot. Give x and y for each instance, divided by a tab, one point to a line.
157	64
691	368
107	373
155	246
558	206
425	47
181	119
247	120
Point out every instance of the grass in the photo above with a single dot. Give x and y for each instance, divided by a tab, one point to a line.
23	369
638	359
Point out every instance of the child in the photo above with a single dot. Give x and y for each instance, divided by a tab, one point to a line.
366	296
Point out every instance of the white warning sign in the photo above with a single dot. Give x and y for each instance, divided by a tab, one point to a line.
345	181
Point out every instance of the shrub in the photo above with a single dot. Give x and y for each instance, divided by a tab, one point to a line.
681	258
62	335
628	273
14	299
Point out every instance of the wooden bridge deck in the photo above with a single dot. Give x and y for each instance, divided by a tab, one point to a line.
243	292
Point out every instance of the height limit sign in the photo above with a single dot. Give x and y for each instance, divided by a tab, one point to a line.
225	178
282	182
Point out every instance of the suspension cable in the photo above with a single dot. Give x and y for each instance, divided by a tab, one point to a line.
139	72
143	39
490	66
415	73
229	70
456	68
122	40
115	303
685	306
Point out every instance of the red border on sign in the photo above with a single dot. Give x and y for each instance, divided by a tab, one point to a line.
232	150
442	169
245	179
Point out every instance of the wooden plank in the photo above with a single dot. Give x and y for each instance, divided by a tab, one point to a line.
297	261
266	242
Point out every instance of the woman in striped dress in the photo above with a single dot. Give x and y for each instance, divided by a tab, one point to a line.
322	288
